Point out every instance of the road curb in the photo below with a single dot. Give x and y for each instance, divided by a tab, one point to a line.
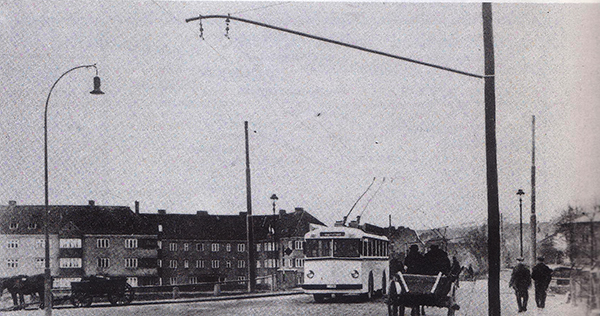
217	298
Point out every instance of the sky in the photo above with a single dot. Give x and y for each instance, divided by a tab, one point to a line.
326	123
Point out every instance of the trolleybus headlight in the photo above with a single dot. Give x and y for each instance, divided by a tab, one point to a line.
310	274
355	274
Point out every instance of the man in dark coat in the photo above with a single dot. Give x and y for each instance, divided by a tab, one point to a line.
414	261
437	261
541	276
520	281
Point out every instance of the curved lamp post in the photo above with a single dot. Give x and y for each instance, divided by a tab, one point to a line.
47	273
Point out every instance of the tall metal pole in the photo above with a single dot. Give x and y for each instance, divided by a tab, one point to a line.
249	228
47	272
533	222
492	164
520	194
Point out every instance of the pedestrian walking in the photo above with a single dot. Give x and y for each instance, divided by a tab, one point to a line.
520	281
541	276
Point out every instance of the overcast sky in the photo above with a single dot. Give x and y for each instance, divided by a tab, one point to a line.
324	120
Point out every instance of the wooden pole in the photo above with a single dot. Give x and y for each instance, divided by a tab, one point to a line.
249	228
491	164
533	221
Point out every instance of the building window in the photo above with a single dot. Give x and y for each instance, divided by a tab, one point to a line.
13	263
133	281
288	263
13	225
67	263
199	264
186	264
228	247
173	264
70	243
199	247
39	262
103	262
258	263
228	264
173	246
241	247
258	247
299	262
131	243
215	247
214	264
32	226
193	280
13	244
160	229
186	247
102	243
159	244
173	281
159	263
131	262
241	263
298	244
40	243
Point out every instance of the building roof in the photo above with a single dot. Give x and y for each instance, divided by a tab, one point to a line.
203	226
75	219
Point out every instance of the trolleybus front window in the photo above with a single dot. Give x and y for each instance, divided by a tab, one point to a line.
318	248
345	248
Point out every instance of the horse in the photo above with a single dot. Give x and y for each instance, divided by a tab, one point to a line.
21	285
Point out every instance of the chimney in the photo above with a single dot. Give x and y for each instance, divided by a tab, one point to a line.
91	202
162	212
202	213
12	203
299	209
281	213
137	207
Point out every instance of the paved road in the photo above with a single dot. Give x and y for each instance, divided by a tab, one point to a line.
472	296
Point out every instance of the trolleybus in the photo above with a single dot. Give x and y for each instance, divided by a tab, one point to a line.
345	260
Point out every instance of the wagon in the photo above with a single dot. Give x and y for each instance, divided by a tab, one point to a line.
415	291
116	289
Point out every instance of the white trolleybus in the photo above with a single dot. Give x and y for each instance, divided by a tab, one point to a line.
345	260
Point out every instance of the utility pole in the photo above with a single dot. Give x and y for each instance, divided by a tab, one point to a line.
533	222
520	193
492	164
249	228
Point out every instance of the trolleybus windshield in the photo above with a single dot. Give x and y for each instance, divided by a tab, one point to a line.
338	248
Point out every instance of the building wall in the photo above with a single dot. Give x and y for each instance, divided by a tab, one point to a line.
110	258
24	257
173	255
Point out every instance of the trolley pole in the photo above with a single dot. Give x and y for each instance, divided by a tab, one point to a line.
249	228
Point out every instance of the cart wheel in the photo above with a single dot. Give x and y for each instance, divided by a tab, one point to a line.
319	298
81	300
392	306
122	298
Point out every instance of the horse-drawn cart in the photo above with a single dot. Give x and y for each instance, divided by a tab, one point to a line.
118	291
416	291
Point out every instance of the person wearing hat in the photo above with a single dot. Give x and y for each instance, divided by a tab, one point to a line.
520	281
541	276
414	262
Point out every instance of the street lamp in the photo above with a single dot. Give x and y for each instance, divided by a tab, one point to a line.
47	273
520	193
274	198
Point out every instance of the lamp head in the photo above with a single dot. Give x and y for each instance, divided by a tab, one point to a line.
97	86
274	197
520	192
